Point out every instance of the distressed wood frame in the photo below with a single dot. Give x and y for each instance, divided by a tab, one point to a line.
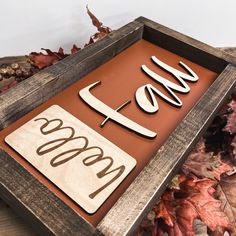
42	208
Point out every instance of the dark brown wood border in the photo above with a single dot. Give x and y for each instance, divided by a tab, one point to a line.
47	212
192	49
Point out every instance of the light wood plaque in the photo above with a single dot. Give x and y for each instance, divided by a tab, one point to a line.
81	162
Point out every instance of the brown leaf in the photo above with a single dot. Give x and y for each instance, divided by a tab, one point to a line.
233	144
41	60
204	164
176	215
97	23
165	209
178	209
74	49
186	214
200	195
231	121
226	193
94	19
102	30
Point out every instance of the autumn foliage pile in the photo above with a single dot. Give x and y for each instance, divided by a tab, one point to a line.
205	189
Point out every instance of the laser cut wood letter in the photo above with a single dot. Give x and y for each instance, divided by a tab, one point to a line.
152	106
114	115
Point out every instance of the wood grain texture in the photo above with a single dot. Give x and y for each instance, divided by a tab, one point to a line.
11	224
192	49
32	200
148	186
55	217
230	50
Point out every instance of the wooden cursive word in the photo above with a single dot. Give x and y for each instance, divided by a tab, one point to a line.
142	99
67	155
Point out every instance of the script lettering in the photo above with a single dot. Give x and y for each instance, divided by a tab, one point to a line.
88	161
114	115
152	106
143	101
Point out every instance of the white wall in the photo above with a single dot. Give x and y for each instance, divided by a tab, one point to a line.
28	25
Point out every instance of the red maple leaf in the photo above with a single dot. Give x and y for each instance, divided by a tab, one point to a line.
175	221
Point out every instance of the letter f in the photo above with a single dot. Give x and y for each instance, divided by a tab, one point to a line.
114	115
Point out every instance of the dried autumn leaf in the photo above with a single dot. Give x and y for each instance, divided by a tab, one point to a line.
102	30
233	144
204	164
94	19
178	209
216	139
163	220
186	214
199	193
176	219
99	25
165	209
195	199
226	193
41	60
74	49
231	121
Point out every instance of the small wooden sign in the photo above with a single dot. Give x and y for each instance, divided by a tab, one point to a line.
110	143
81	162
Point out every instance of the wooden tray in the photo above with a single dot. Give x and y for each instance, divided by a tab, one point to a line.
21	190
